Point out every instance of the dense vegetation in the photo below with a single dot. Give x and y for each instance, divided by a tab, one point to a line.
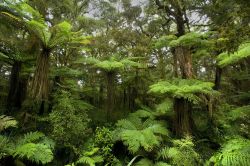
125	82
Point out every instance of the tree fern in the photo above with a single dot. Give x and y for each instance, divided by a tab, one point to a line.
234	152
139	132
182	88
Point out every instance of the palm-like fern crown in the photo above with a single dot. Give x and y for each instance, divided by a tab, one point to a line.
34	22
112	64
140	130
182	88
188	40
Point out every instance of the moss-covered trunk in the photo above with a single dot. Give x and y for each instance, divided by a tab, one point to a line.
182	107
40	82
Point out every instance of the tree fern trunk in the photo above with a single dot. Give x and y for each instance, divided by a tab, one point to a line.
17	88
40	82
217	80
110	94
182	107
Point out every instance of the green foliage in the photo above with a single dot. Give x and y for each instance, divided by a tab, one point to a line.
114	63
140	131
90	158
184	88
234	152
182	153
226	59
164	41
6	122
69	120
6	147
38	153
34	146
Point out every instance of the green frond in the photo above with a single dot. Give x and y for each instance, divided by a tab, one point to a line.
90	158
165	106
188	39
184	88
61	33
240	113
226	59
38	153
126	124
40	30
6	122
144	162
164	41
110	66
161	164
142	113
139	131
31	137
65	71
234	152
182	153
6	146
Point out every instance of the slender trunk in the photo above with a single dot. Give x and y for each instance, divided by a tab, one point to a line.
217	81
110	94
40	82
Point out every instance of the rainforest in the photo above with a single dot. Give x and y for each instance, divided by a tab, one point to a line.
124	83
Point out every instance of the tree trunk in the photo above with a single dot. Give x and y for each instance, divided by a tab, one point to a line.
17	88
110	94
183	119
217	80
40	82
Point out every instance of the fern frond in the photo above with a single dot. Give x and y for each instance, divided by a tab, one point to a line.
30	137
6	146
234	152
144	162
138	131
226	59
183	88
38	153
161	164
6	122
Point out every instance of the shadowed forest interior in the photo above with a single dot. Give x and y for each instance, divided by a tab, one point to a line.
124	82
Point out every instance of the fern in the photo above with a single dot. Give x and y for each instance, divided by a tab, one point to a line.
35	147
6	146
90	158
144	162
234	152
38	153
183	88
226	59
181	154
6	122
139	132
